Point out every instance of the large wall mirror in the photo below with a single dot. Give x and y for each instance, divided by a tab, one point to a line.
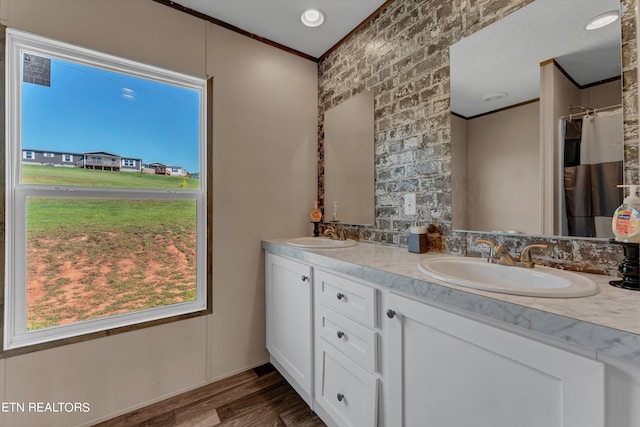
514	136
349	160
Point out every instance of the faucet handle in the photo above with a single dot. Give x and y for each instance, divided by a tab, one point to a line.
525	256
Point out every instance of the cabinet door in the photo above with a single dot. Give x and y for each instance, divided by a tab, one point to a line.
622	391
289	321
347	392
445	370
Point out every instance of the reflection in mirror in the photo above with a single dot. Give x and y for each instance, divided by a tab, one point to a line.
349	161
511	87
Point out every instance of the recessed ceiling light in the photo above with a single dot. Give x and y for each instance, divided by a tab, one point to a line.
494	96
602	20
312	17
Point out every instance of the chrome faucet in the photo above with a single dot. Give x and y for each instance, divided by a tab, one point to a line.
498	254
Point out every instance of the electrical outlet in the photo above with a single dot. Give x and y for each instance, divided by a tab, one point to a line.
410	204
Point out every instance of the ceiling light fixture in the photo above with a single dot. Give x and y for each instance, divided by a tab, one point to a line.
494	96
602	20
312	17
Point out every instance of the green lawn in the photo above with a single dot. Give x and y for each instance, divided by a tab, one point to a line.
92	258
48	175
60	215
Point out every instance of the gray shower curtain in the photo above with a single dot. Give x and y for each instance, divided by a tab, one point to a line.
593	166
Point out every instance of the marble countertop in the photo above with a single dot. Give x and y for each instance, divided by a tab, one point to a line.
608	322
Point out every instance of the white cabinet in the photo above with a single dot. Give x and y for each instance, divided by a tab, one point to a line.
445	370
346	351
363	355
289	321
622	392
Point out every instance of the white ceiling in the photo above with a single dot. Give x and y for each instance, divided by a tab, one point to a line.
503	57
279	20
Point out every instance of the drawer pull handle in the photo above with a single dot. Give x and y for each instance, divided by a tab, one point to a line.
340	295
340	397
340	334
391	314
305	278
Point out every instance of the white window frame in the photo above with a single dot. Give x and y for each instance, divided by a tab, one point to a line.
49	155
129	163
67	157
16	334
28	155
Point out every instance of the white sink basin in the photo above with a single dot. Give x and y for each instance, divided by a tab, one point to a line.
320	243
477	273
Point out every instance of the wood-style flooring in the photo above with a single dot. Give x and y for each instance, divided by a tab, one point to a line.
258	397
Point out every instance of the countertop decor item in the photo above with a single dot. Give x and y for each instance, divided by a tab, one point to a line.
316	217
417	242
629	268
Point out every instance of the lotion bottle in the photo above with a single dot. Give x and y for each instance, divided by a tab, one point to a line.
626	219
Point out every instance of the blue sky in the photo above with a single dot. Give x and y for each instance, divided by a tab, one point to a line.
89	109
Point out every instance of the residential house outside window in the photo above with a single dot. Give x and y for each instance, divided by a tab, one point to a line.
93	249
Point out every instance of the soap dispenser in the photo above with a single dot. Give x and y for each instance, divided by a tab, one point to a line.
417	237
626	228
626	219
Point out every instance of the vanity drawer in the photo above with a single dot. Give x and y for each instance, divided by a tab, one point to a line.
351	338
352	299
347	392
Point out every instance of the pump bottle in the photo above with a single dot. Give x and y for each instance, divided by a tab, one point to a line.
626	219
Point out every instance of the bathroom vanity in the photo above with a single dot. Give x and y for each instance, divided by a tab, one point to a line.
367	340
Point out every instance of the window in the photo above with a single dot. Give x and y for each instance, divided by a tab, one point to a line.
48	154
90	248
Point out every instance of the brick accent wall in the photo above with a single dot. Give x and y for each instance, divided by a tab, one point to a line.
402	55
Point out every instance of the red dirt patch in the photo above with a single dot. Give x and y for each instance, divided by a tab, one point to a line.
87	277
